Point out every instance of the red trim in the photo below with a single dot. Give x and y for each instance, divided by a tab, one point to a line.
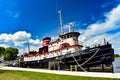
37	54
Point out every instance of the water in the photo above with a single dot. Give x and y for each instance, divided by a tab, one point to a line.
116	65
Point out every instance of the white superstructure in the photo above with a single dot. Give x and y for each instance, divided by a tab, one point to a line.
64	44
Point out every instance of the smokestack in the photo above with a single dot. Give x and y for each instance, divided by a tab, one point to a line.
46	41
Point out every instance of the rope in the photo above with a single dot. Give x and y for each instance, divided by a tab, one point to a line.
85	61
79	64
90	57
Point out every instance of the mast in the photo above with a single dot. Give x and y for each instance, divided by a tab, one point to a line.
104	41
61	24
28	46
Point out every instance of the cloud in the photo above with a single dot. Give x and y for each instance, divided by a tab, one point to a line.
4	45
18	38
112	19
96	32
118	48
37	41
115	40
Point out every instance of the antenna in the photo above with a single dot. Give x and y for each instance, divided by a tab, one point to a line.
70	24
61	24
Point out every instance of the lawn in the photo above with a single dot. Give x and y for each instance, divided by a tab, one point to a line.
26	75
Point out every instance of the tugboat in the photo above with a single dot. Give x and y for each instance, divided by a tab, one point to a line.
67	54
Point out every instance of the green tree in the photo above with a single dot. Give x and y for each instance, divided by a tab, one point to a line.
2	51
10	53
116	55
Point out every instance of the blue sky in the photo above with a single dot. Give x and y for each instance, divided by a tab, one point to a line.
24	21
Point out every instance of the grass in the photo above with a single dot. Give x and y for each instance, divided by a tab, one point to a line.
26	75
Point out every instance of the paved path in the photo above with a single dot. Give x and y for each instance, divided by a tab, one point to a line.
1	64
89	74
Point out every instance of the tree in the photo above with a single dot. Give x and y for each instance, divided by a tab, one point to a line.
10	53
2	51
116	55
